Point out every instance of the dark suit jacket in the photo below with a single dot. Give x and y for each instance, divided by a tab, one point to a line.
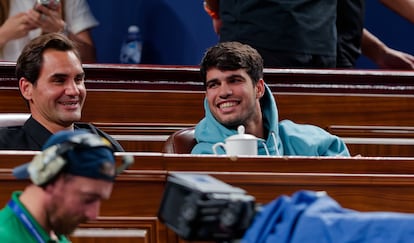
32	135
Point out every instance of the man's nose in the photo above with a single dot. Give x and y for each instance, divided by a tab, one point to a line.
225	90
72	88
92	212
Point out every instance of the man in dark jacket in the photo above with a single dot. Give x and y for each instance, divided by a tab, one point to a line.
51	80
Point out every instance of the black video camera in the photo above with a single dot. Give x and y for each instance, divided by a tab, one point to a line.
200	207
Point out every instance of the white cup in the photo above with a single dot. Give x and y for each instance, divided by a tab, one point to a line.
237	147
239	144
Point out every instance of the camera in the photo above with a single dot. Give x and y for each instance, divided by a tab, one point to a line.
52	4
202	208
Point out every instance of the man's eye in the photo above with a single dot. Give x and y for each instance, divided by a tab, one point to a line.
89	200
59	80
235	80
211	85
79	81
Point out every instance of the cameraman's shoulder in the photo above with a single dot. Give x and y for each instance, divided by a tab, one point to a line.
8	226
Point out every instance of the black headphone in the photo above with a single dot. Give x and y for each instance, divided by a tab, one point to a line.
50	162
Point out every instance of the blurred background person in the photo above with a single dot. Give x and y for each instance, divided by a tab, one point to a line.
24	20
307	34
287	34
354	39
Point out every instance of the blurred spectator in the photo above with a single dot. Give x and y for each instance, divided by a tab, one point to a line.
24	20
353	39
298	33
304	34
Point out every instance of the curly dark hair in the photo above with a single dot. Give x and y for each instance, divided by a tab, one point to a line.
232	56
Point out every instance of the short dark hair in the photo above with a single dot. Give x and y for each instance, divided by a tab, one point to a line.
30	60
232	56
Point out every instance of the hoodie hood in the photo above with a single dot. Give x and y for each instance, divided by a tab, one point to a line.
209	131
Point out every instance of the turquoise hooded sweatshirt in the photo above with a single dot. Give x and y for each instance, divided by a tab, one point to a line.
284	138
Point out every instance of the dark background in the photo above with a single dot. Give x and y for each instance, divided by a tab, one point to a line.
177	32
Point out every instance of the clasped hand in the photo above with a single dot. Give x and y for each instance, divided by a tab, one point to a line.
49	20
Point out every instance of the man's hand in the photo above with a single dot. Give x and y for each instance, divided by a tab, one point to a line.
393	59
49	20
217	25
15	27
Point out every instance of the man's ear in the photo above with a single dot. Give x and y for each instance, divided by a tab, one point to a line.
260	88
26	88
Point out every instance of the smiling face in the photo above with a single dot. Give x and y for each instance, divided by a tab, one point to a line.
233	99
57	97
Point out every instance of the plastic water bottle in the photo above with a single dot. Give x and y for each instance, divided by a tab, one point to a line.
132	46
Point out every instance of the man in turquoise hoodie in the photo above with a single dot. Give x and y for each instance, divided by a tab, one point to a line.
236	94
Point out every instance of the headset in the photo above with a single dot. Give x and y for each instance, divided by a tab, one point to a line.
50	162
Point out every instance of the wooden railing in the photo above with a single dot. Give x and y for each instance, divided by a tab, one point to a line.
365	184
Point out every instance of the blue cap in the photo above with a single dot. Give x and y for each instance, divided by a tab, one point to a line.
75	152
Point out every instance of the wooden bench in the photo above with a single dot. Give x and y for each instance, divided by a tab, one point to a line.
132	96
149	128
366	184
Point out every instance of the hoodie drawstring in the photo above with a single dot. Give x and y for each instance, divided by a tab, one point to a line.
275	142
